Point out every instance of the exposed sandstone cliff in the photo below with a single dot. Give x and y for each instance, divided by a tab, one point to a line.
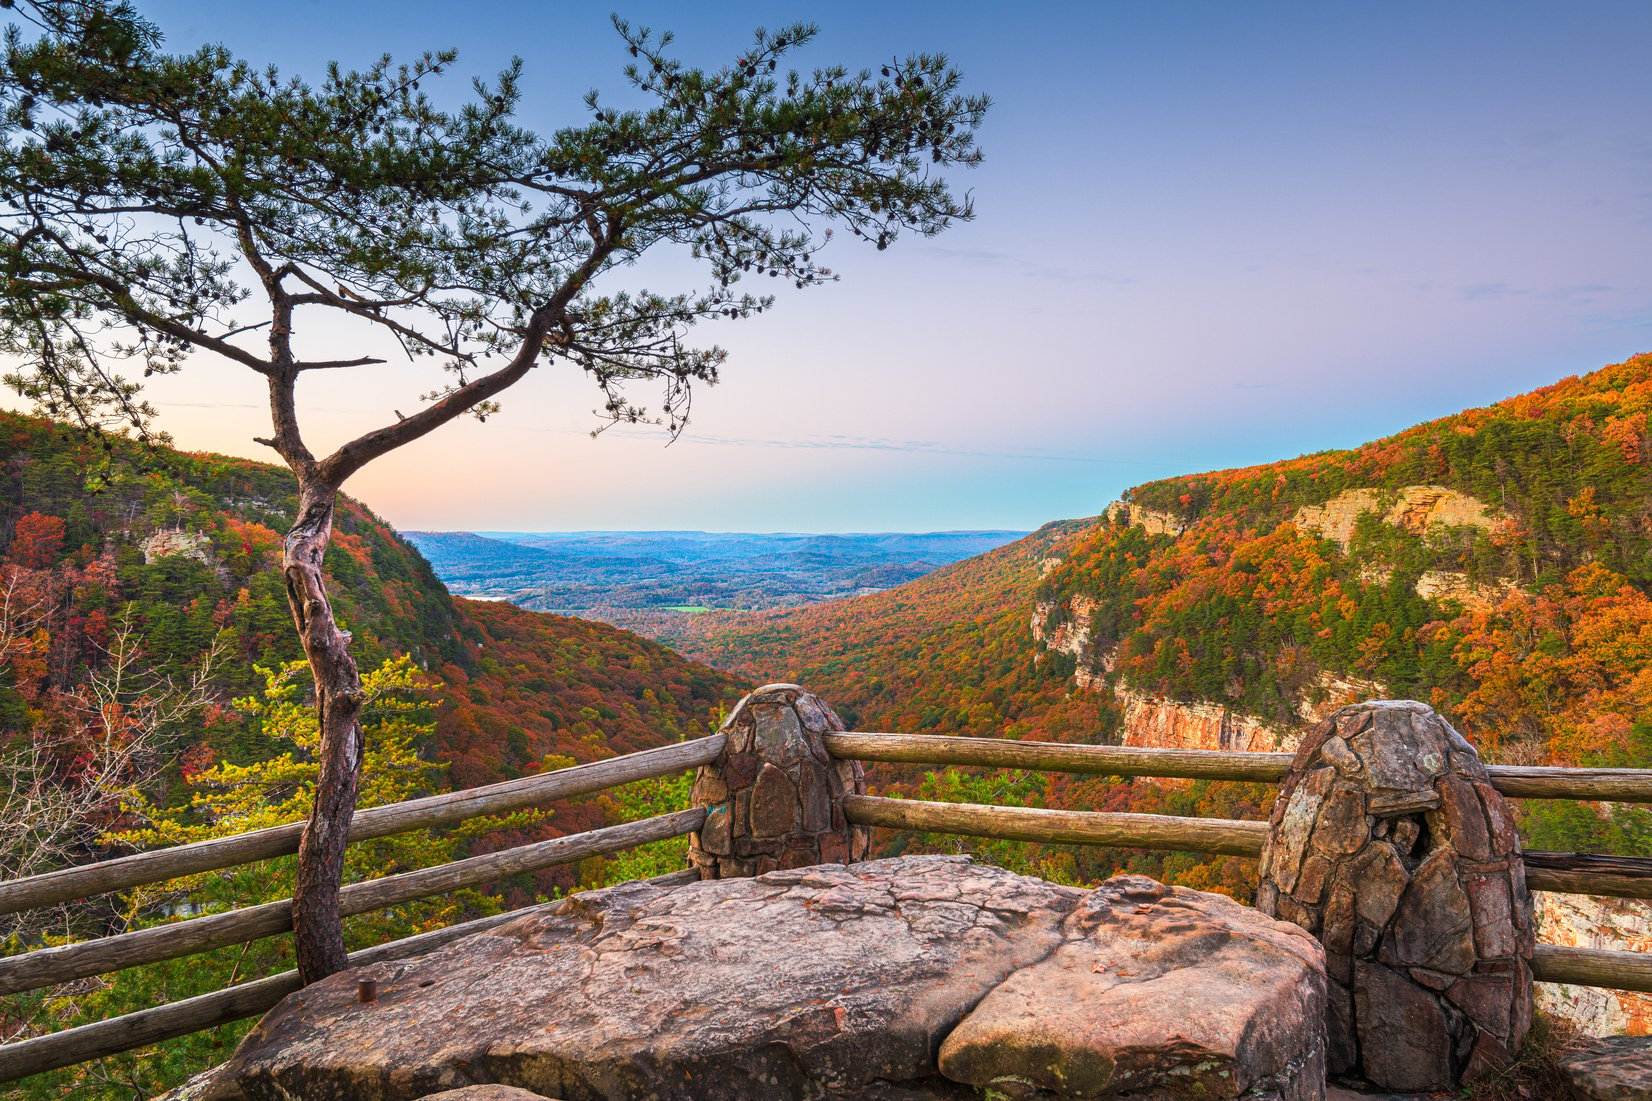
1582	921
1329	693
1072	635
1475	596
176	543
1157	723
1416	509
1154	521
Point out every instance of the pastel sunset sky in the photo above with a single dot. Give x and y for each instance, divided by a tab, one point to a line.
1208	235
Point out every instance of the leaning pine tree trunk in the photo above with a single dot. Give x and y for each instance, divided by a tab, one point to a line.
318	930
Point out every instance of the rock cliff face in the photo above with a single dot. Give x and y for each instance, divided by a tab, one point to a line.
1475	596
1416	509
1330	693
172	542
1155	522
1157	723
913	979
1580	921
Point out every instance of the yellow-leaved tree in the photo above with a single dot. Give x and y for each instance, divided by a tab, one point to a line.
230	798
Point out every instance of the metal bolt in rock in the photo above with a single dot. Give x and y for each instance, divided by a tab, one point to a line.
1389	844
774	798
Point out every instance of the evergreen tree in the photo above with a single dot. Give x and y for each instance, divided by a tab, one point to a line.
155	204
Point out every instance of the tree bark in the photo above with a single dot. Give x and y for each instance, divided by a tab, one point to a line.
318	929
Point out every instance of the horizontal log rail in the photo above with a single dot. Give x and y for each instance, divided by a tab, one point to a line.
1587	874
49	966
70	884
1063	827
1094	760
1566	873
1593	967
1618	785
166	1022
1606	785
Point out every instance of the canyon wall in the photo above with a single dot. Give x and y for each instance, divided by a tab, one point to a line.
1582	921
1415	508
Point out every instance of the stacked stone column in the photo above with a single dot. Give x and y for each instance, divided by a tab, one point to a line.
1389	844
774	797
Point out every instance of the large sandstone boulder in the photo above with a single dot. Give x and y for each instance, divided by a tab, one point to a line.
893	980
1389	843
1152	988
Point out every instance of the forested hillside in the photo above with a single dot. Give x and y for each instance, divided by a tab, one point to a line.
1495	563
946	653
186	549
152	692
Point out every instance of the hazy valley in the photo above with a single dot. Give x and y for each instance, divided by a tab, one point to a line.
643	580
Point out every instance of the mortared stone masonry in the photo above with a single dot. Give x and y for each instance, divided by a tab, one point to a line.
774	798
1389	844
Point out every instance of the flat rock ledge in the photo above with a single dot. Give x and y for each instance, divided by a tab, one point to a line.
911	979
1618	1068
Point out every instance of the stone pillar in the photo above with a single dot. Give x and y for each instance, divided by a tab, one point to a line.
1389	844
774	799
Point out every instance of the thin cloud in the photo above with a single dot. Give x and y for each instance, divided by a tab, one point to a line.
920	447
995	259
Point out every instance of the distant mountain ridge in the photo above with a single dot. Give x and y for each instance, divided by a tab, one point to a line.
608	574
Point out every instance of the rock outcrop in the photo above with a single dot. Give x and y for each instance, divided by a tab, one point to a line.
1582	921
1414	508
1389	843
176	543
1329	694
1152	521
1158	723
1618	1068
1072	635
1473	595
894	980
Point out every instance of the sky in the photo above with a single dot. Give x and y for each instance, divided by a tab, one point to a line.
1207	235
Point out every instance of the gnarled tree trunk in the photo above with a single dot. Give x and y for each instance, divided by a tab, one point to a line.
318	930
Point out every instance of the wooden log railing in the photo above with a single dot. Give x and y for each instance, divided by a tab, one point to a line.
1618	785
221	1007
1565	872
1592	967
160	865
50	966
1223	836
